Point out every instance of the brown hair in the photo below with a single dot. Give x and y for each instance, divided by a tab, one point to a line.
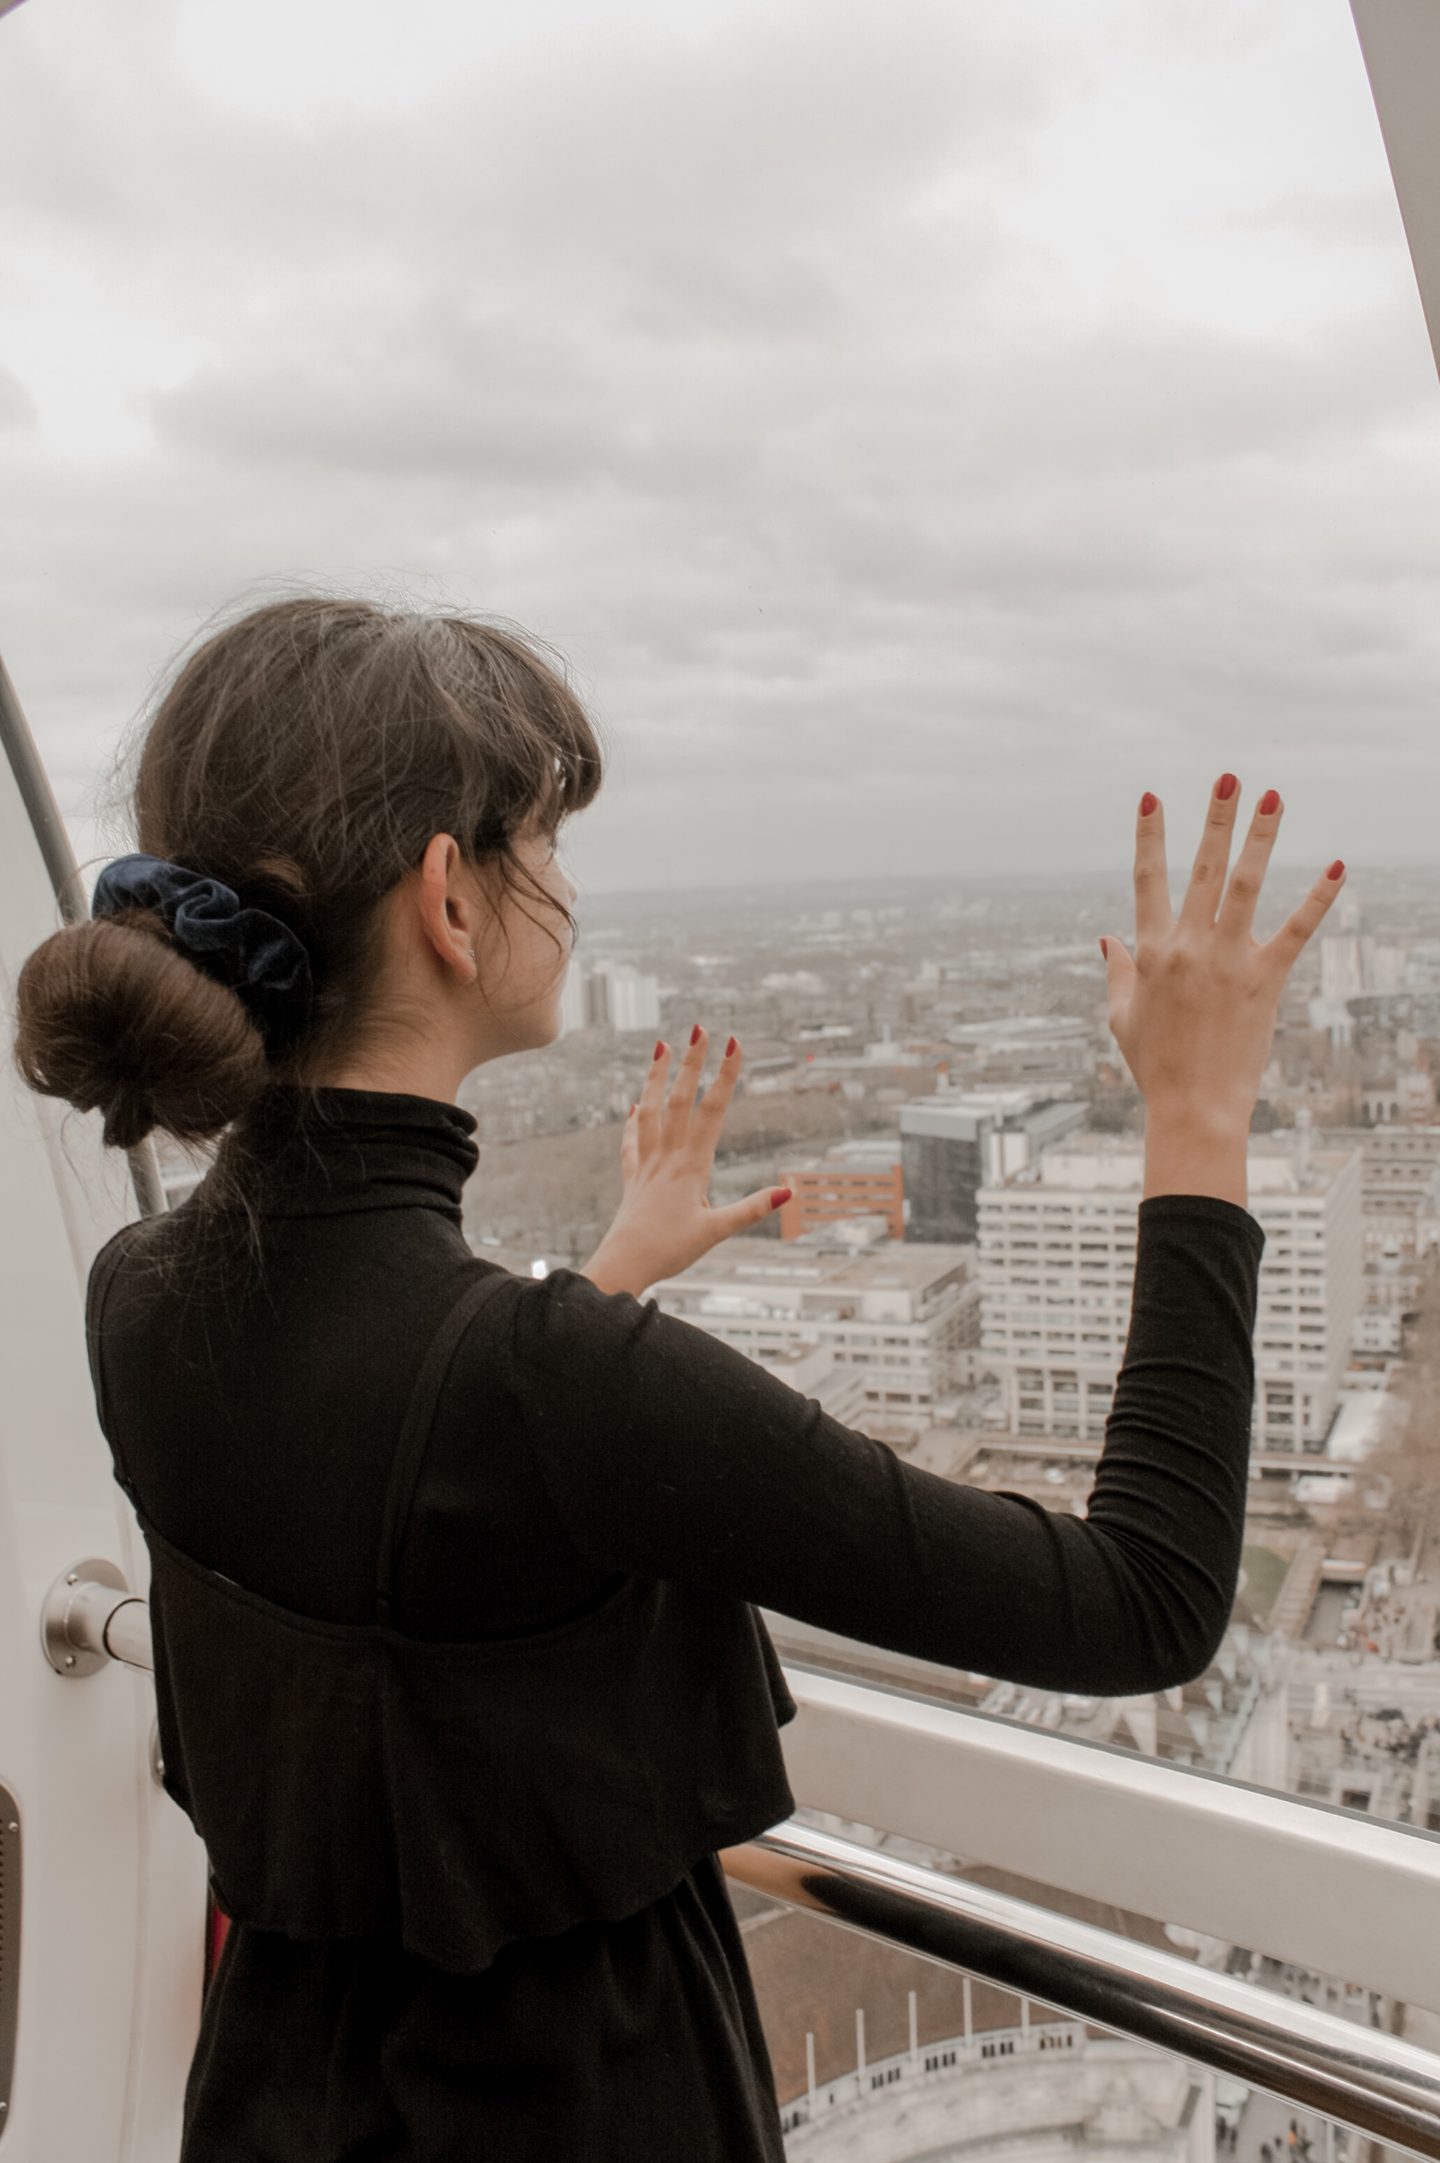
304	754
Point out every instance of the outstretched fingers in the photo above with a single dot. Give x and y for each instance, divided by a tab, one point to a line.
651	1100
676	1115
681	1099
1302	924
1207	873
1152	880
716	1102
1242	895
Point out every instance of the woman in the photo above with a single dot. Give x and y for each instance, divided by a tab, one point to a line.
455	1574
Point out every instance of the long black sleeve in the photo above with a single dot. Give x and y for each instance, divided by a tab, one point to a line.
669	1453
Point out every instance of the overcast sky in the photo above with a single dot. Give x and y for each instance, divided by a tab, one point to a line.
922	425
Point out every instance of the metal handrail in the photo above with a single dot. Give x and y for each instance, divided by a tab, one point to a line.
1336	1890
1376	2084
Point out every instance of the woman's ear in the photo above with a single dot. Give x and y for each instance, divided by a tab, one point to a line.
447	901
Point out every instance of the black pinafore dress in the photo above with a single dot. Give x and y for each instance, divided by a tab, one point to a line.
475	1906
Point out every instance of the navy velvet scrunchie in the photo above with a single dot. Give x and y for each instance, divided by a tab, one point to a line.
247	949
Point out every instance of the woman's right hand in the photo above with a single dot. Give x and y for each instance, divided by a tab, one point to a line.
667	1160
1194	1011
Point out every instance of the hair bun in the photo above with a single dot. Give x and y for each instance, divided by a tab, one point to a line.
112	1016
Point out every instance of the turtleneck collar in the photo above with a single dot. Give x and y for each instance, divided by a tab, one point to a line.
305	1152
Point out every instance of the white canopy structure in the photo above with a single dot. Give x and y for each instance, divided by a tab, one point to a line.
1401	43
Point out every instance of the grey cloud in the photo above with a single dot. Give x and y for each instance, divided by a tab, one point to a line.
715	359
432	390
779	123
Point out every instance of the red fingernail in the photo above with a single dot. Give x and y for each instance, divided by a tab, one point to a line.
1268	802
730	1048
658	1049
1104	949
630	1114
695	1034
1335	869
1147	804
1225	787
784	1194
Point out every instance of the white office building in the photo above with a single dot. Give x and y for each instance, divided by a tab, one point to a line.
1057	1269
893	1317
620	996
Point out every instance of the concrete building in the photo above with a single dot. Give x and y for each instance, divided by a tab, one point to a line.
1024	1048
574	1000
1351	963
960	1140
858	1178
1406	1096
1399	1182
894	1317
621	996
1057	1266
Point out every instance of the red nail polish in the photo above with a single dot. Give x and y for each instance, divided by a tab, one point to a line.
1335	869
1268	802
730	1049
695	1034
658	1049
784	1194
1147	804
1225	787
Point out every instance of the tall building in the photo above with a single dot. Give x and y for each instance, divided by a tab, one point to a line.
1352	962
1057	1265
622	996
956	1142
574	1000
1399	1168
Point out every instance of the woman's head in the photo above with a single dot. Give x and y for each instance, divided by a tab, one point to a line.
390	785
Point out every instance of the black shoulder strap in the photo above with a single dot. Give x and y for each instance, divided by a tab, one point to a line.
418	1417
97	1292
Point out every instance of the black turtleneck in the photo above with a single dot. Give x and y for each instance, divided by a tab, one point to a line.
309	1152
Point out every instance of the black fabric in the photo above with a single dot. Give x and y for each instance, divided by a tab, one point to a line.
583	1531
635	2041
350	1782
